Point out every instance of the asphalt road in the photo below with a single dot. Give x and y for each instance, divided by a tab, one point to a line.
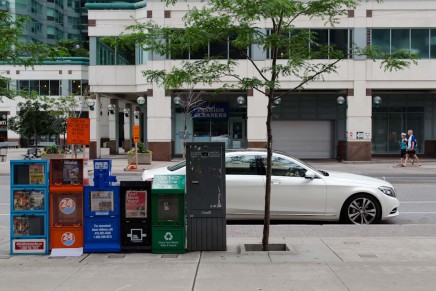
417	197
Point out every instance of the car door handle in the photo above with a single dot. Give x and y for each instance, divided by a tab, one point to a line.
276	182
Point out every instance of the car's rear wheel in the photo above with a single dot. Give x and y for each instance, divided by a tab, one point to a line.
361	209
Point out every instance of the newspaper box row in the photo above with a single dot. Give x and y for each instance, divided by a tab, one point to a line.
57	209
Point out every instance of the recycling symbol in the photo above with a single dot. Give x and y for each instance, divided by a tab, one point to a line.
168	236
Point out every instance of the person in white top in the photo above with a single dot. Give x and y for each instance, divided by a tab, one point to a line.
411	149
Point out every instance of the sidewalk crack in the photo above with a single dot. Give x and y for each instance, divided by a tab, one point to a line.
337	276
331	250
196	272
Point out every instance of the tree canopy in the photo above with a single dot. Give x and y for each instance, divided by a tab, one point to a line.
35	118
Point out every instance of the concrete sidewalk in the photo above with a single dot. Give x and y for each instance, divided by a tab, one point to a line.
312	263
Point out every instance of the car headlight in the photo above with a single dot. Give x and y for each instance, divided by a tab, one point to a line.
388	191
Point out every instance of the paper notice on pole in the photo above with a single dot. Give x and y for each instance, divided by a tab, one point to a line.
66	252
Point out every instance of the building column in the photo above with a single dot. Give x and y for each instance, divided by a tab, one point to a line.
256	119
127	143
159	131
113	128
94	116
359	123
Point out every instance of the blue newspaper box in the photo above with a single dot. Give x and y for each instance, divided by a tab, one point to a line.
102	211
29	207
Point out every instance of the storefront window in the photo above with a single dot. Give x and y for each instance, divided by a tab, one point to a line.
397	114
201	130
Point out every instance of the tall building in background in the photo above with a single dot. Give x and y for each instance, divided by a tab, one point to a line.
51	20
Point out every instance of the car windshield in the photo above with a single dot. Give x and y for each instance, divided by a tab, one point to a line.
176	166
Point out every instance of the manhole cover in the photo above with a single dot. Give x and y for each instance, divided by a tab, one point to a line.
57	257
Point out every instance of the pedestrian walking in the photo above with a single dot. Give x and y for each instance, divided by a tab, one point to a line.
411	149
403	148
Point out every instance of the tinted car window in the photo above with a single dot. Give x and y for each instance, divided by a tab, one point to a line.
241	165
285	167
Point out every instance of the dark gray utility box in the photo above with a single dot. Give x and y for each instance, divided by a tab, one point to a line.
206	196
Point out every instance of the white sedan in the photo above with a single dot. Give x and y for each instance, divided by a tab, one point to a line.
298	191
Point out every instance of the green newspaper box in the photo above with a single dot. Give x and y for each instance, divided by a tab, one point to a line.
168	214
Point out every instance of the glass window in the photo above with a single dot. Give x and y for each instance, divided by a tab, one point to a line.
284	167
400	39
339	40
199	53
54	88
51	31
34	86
107	55
243	165
234	52
433	44
44	87
201	130
76	87
381	38
218	49
420	42
319	42
50	14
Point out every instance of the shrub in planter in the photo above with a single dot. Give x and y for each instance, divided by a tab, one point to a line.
144	155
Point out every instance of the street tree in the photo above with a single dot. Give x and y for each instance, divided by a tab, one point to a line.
35	117
292	53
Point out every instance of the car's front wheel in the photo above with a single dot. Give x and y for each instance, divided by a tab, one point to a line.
361	209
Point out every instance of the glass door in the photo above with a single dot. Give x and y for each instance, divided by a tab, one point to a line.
237	133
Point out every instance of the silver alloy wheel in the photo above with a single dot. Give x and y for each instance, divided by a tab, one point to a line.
362	211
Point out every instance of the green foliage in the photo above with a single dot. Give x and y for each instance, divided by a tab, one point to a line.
35	118
141	149
52	150
71	48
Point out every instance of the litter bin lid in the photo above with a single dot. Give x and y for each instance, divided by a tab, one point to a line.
168	184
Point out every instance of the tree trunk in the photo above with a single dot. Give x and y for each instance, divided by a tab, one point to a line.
185	129
266	219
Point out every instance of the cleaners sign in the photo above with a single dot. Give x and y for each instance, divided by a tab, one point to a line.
217	111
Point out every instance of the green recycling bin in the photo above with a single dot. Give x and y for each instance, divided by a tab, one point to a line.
168	214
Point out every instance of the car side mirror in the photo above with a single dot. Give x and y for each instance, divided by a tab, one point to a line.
310	175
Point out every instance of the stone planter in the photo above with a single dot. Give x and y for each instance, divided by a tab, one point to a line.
53	156
143	158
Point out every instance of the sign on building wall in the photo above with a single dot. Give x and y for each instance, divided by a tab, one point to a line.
213	111
78	131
